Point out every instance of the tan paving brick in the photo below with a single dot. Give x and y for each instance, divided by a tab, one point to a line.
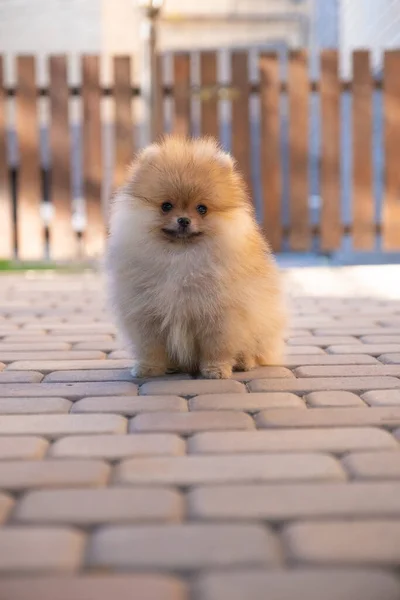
106	375
40	549
26	406
120	355
383	416
109	346
335	440
191	387
261	372
371	349
91	328
329	584
23	336
99	506
245	402
388	338
339	330
130	406
322	341
332	399
288	502
22	447
373	465
20	377
96	587
187	423
114	447
329	359
16	475
191	470
344	543
195	546
33	346
6	504
382	397
319	384
300	350
73	391
33	355
54	426
392	358
49	366
348	371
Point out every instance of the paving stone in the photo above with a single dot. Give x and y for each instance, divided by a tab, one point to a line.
373	465
383	416
381	339
54	426
382	397
371	349
22	447
33	346
329	584
90	375
120	355
317	384
300	350
245	402
322	341
187	423
97	587
19	337
18	475
348	371
195	546
130	406
48	366
391	358
191	470
98	506
287	502
344	542
193	387
114	447
329	359
73	391
20	377
54	355
26	406
332	399
6	504
334	440
40	549
261	372
109	346
339	330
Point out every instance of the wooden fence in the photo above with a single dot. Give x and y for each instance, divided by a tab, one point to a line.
27	185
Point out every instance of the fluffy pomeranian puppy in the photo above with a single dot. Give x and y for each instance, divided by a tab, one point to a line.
192	280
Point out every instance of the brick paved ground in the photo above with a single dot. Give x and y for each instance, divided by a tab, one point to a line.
280	484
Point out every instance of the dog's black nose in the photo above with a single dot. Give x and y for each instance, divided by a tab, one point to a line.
183	222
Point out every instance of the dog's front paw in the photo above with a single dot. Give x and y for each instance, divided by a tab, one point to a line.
141	370
216	371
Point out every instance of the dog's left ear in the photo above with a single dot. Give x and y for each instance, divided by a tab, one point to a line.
225	159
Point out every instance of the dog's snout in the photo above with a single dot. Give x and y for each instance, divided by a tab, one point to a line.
183	221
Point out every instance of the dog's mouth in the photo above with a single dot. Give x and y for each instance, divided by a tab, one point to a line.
180	234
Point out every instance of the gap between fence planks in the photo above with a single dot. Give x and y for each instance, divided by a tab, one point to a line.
331	222
30	229
63	241
6	209
391	208
270	152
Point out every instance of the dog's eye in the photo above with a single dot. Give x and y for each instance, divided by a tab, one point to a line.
201	209
166	207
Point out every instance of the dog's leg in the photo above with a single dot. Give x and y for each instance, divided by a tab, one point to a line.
152	360
244	362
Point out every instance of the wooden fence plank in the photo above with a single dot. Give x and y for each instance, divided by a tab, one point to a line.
209	98
331	220
271	169
363	198
300	235
6	209
241	146
63	240
94	236
159	122
181	118
391	98
123	123
30	229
